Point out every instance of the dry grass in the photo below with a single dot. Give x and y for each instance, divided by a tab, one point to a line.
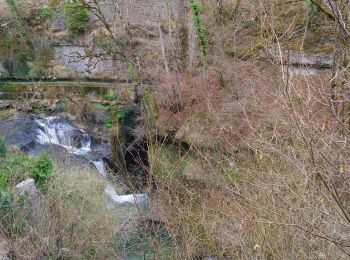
74	221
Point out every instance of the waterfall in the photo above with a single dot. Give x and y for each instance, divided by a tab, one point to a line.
54	130
59	131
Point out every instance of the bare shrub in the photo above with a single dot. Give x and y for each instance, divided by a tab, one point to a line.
278	188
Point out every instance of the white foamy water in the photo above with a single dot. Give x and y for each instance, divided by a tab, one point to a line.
131	199
100	166
59	132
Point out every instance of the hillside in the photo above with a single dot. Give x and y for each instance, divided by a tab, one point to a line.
199	129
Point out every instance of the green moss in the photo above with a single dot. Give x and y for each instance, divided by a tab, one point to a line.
109	122
119	114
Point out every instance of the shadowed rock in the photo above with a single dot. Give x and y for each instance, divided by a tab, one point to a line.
18	132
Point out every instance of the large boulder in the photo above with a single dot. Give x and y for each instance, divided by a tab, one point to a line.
57	153
311	59
18	132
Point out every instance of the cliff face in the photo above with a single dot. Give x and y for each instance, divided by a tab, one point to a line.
149	31
135	11
67	54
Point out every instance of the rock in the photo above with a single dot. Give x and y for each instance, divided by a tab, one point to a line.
311	59
58	154
3	71
195	170
28	188
79	64
147	30
58	22
95	114
46	104
18	132
49	105
60	71
100	151
5	104
23	106
73	57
